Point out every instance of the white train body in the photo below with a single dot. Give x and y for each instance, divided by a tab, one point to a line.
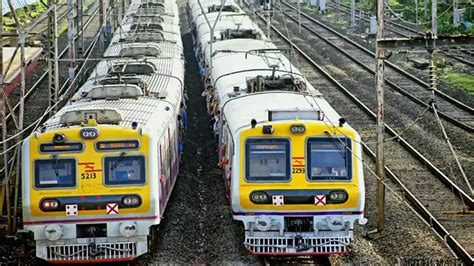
280	142
98	174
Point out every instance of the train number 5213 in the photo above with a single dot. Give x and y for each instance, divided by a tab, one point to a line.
88	176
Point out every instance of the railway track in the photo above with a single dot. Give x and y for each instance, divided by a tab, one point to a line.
450	109
429	191
395	29
38	104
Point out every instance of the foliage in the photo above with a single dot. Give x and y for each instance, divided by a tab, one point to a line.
459	80
24	15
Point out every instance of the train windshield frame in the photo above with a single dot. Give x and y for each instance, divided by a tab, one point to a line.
124	170
329	159
55	173
259	155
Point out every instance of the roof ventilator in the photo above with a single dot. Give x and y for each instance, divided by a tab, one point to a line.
133	68
225	8
102	116
115	91
139	51
133	37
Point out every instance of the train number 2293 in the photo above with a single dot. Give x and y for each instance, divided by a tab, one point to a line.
298	170
88	176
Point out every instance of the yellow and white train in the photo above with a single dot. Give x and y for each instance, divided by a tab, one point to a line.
97	176
292	167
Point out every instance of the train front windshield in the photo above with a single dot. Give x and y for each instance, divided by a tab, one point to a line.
330	158
52	173
267	160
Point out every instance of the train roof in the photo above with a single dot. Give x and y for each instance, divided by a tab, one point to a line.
148	112
227	21
196	9
157	49
239	111
127	34
247	61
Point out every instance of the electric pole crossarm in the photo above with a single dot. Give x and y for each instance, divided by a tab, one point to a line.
442	41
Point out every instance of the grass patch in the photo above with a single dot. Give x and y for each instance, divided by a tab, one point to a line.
458	80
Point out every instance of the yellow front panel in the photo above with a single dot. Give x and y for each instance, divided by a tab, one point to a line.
89	169
298	163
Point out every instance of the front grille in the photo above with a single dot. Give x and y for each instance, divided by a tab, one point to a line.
295	245
98	251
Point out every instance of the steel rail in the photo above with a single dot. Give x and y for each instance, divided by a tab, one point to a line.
445	116
392	28
448	98
86	54
45	74
424	213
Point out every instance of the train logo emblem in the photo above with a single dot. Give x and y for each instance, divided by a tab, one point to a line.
89	167
71	210
278	200
320	200
112	208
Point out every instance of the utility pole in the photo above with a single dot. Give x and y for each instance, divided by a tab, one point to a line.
211	27
3	106
353	6
379	95
71	32
299	16
269	18
101	25
429	42
80	28
53	76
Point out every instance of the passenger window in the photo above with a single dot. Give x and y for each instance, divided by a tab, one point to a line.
267	160
329	159
124	170
55	173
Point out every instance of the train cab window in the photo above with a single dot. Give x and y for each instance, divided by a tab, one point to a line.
52	173
124	170
329	159
267	160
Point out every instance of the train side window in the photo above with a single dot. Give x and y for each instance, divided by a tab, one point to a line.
124	170
329	159
55	173
267	160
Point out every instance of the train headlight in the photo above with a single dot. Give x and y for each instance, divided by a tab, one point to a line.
128	229
259	197
49	204
297	129
338	196
131	201
53	232
59	138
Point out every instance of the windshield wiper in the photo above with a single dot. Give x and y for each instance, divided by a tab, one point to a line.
335	144
55	166
120	159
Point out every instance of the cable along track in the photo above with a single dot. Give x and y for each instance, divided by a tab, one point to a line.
436	197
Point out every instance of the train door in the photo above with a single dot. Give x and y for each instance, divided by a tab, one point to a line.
225	157
162	179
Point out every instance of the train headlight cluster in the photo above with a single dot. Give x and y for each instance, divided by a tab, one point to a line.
338	196
131	201
297	129
49	204
259	197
